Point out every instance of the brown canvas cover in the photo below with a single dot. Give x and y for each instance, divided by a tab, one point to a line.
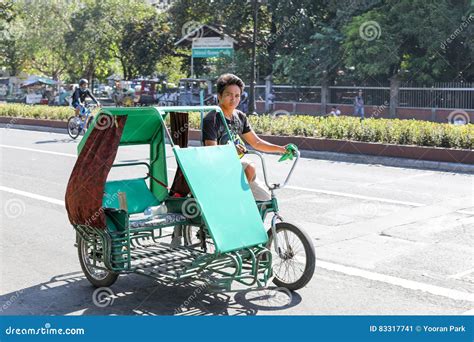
179	123
85	189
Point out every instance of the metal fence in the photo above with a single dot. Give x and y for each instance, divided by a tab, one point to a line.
286	93
450	95
441	95
376	96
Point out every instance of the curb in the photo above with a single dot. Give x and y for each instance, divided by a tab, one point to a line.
325	149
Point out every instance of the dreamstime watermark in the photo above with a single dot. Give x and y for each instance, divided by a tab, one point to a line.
46	330
14	297
369	209
11	123
190	208
103	297
464	24
192	30
286	24
380	109
104	122
279	113
370	30
14	208
459	117
200	289
51	2
182	130
108	201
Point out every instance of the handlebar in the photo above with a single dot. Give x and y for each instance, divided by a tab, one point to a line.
277	185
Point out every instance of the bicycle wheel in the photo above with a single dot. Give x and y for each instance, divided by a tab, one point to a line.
74	127
194	236
294	266
99	277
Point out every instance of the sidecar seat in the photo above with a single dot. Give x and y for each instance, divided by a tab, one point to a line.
139	196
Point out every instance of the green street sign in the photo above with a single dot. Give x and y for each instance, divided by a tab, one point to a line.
211	52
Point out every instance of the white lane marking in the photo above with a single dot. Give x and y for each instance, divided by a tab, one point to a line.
461	274
31	195
40	151
369	198
408	284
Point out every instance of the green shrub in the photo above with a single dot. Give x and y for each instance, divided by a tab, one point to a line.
391	131
37	111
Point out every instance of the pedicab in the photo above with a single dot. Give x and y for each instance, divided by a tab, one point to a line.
208	226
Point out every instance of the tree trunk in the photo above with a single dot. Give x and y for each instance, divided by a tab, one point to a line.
271	45
124	68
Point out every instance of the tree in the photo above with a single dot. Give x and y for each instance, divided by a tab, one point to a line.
129	31
402	40
44	25
91	41
144	43
12	51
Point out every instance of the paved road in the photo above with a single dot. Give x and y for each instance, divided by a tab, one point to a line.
388	241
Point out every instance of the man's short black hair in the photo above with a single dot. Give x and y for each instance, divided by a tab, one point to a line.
229	79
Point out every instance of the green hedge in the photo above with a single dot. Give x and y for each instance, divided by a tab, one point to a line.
391	131
36	112
403	132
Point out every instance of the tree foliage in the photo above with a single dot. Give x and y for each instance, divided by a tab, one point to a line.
299	42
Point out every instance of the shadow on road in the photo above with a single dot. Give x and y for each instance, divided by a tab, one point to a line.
72	294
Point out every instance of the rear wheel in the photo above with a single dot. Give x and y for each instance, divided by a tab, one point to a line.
74	126
198	237
97	277
293	267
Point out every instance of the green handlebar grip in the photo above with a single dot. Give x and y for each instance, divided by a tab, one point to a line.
291	150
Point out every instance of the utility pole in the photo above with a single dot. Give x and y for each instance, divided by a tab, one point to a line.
252	107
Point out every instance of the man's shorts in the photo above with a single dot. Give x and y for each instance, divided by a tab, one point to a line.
259	190
245	162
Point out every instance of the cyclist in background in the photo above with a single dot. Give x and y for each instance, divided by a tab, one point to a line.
80	94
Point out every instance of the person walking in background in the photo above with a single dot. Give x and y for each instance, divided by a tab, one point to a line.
359	105
271	101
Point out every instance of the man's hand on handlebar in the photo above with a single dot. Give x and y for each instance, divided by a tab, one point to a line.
290	152
241	149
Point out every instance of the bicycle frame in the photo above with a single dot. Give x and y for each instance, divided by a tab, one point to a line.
273	203
84	116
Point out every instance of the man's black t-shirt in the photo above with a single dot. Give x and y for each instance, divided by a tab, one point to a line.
213	128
